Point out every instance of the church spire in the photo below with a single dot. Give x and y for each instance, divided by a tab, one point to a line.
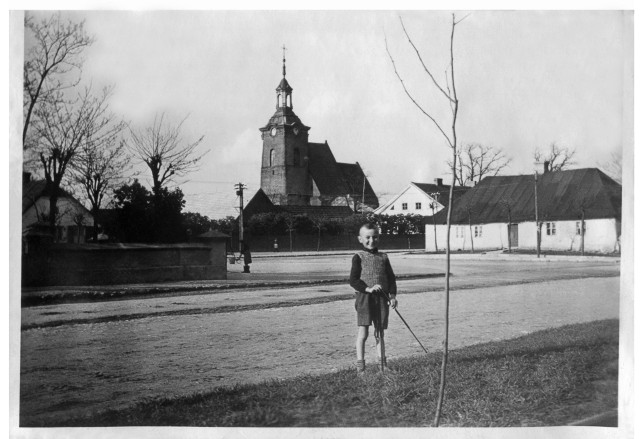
284	90
284	60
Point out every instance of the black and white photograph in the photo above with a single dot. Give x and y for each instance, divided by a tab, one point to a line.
321	223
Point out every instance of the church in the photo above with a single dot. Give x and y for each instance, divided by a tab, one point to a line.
298	176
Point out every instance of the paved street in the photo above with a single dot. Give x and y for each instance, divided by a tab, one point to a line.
97	358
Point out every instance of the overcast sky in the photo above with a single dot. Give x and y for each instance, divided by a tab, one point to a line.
524	79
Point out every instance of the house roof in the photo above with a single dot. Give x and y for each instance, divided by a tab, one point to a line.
428	189
34	189
260	203
442	190
562	195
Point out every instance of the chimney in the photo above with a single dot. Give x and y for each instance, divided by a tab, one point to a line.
438	181
546	166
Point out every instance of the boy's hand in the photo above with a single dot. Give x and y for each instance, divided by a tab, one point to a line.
394	303
374	289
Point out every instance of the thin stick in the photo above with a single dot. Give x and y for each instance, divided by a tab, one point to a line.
406	324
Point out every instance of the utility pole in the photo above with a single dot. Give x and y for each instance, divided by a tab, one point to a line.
535	196
432	205
240	192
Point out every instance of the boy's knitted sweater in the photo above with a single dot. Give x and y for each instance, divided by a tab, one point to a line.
369	268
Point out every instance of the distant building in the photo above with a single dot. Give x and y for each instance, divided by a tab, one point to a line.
418	199
503	207
296	172
74	221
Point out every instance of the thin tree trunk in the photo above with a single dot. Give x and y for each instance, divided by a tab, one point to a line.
445	343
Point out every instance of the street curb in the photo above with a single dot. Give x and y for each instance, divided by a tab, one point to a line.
48	297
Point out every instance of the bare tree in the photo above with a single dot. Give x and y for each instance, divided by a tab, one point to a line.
163	150
319	223
290	221
78	219
476	161
62	127
451	97
101	163
613	167
559	158
55	52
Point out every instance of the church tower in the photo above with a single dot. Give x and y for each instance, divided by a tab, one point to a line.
285	176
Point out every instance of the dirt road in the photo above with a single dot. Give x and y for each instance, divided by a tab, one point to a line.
74	368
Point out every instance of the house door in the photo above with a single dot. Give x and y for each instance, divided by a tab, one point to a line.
513	232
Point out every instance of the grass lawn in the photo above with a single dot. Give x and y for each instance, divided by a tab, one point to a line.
552	377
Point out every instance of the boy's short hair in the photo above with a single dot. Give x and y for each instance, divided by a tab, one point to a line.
369	226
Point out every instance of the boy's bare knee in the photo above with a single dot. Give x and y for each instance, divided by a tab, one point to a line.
363	333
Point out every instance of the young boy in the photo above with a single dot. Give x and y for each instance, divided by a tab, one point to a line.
375	285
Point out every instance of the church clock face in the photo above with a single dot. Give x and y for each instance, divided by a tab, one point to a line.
273	131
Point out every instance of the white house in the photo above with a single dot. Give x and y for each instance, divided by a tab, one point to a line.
499	208
73	221
420	199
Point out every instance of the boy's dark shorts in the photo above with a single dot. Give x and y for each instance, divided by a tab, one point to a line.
370	305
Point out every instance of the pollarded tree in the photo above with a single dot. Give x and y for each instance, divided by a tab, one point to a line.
161	148
53	52
450	96
101	163
476	161
62	129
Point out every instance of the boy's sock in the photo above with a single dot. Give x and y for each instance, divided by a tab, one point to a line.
360	365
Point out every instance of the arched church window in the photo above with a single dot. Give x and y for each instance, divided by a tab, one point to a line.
288	100
296	157
279	100
272	155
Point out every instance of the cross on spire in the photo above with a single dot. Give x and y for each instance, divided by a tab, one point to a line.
284	68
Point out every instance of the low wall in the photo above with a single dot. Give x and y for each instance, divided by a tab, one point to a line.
102	264
300	242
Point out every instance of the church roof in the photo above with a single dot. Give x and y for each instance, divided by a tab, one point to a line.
325	171
284	85
561	197
284	116
354	178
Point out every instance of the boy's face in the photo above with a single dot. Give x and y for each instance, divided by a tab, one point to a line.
368	238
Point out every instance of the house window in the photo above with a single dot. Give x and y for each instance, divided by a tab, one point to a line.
459	232
418	206
579	228
551	229
478	231
404	206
